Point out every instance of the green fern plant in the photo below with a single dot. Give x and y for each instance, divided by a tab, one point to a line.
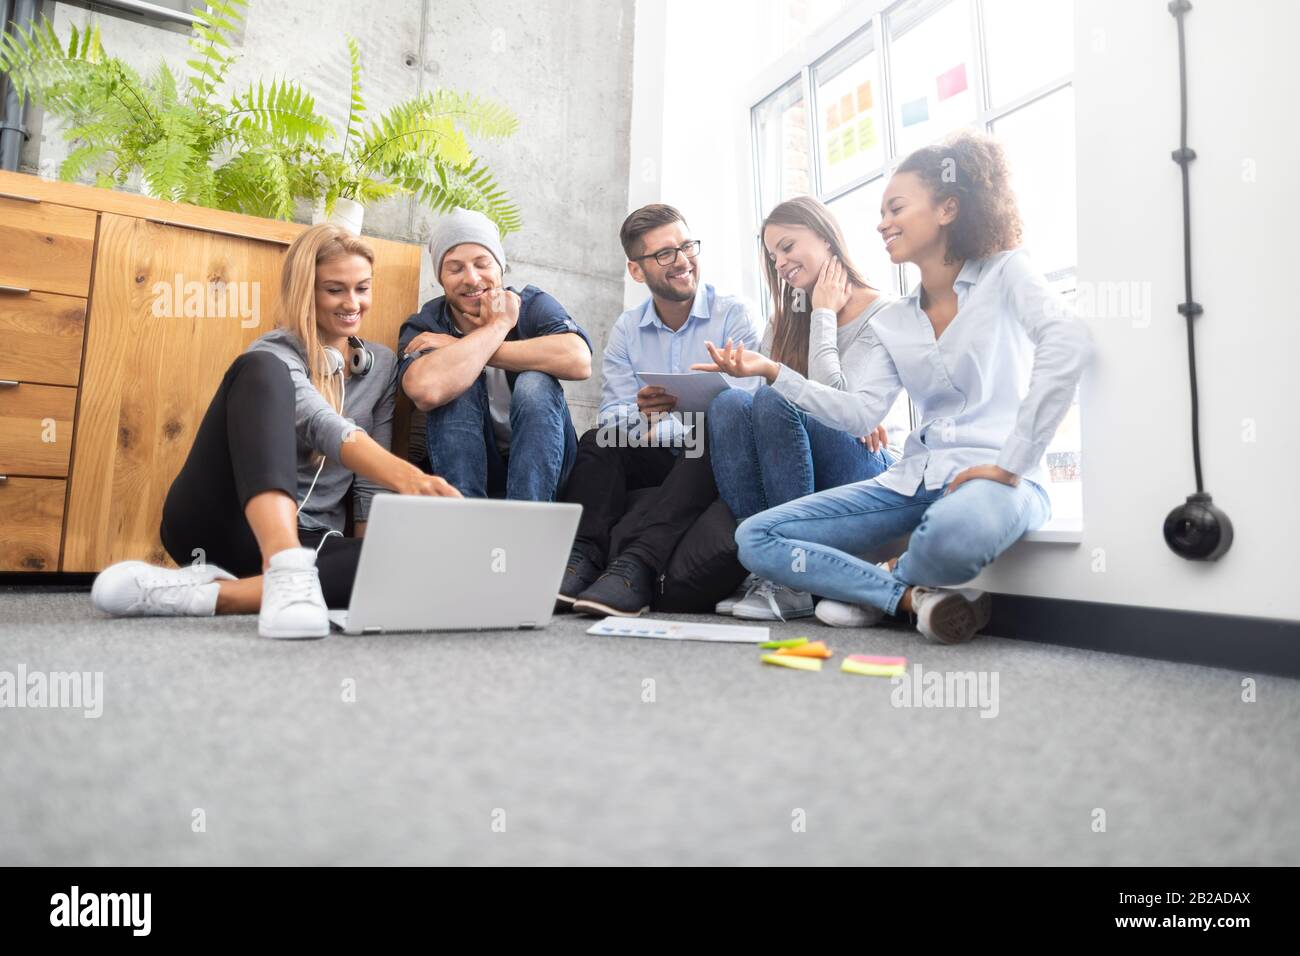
247	155
418	147
263	149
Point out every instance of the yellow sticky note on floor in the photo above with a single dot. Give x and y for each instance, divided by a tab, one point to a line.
797	663
865	669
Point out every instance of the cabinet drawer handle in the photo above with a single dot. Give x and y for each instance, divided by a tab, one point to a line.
3	479
16	290
8	383
19	198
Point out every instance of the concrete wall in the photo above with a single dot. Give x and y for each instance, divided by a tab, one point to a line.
563	66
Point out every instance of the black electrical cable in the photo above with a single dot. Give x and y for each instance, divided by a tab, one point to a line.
1190	308
1196	529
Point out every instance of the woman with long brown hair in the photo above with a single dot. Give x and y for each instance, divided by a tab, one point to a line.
301	421
765	450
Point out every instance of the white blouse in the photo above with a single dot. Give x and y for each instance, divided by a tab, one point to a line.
991	390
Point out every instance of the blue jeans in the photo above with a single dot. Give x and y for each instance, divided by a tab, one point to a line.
812	544
766	452
543	444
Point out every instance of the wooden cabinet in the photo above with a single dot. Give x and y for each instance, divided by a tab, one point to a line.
31	523
121	316
36	428
41	336
47	246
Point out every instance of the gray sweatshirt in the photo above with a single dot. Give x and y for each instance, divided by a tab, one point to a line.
836	352
368	402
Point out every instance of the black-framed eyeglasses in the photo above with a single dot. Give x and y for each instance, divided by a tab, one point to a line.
666	257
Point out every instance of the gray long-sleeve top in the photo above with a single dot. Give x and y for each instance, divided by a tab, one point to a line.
836	353
368	402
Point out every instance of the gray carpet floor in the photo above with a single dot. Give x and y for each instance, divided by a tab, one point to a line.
538	747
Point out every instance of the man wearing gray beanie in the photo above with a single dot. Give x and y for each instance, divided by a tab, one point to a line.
484	362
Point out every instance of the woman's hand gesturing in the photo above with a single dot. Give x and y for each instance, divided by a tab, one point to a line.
737	361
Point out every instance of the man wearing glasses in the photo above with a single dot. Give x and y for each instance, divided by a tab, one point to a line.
666	333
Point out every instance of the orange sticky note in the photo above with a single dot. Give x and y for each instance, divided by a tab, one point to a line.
864	97
811	649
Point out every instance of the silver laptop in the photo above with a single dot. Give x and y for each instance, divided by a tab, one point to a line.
454	564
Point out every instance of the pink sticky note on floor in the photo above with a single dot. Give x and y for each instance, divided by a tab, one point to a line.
952	82
883	661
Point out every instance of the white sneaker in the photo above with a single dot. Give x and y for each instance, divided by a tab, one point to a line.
843	614
292	603
138	589
944	616
728	604
768	601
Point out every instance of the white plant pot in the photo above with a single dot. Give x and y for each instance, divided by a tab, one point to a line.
348	213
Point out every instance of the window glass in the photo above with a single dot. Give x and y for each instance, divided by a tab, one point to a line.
1039	142
1028	43
849	113
932	66
781	129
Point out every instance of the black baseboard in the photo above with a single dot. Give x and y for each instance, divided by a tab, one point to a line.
47	580
1248	644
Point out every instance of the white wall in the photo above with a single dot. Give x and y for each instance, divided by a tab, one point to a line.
690	129
1135	401
1135	404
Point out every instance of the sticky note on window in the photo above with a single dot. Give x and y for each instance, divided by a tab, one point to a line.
952	81
864	97
833	116
834	153
916	111
847	109
796	663
866	134
849	142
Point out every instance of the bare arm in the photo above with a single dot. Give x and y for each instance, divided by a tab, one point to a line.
363	455
435	379
564	355
442	375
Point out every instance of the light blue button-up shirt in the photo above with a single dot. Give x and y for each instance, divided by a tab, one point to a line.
640	342
978	401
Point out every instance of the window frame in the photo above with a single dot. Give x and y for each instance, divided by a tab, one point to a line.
823	43
801	65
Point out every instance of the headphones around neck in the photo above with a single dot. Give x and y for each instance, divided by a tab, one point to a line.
360	359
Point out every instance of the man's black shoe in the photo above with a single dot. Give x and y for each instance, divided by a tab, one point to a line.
624	590
579	574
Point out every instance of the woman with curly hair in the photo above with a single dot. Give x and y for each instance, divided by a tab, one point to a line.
969	483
